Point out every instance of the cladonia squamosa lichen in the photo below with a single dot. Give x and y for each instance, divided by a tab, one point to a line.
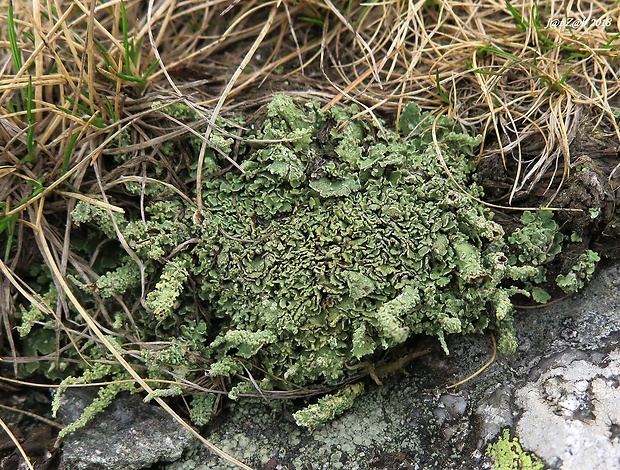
334	242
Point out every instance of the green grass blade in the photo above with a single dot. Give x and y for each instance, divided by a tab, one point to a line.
150	68
545	43
131	78
442	94
521	24
499	52
69	152
110	108
126	42
559	85
8	223
105	55
611	40
16	54
12	32
317	21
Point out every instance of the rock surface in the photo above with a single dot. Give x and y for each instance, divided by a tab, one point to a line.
129	435
559	394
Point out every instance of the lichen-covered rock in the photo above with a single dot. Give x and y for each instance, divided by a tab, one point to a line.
509	455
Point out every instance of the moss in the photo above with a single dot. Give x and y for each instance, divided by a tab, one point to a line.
507	454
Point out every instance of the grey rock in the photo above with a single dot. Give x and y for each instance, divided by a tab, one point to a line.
558	394
493	412
572	412
128	435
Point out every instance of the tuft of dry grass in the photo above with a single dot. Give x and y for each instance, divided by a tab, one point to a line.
78	79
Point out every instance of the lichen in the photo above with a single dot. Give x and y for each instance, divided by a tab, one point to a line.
580	273
178	110
507	454
328	407
105	394
539	240
321	247
318	241
163	300
336	248
119	280
201	409
334	242
88	213
225	367
33	314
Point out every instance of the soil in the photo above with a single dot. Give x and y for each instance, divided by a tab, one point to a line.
591	189
38	438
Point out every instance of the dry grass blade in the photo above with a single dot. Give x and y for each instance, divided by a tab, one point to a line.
92	384
481	370
439	154
7	307
64	287
93	201
49	422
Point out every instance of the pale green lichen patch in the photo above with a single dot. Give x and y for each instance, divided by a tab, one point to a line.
119	280
539	242
539	239
101	217
178	110
340	250
334	242
507	454
580	273
328	407
202	408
